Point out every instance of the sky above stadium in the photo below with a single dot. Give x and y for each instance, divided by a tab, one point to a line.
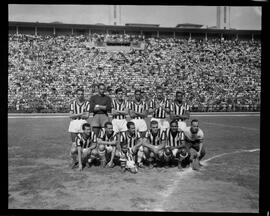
166	16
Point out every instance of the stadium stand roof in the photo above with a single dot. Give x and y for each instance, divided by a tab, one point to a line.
145	28
188	25
141	25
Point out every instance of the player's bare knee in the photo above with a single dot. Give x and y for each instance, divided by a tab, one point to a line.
160	154
101	147
145	150
94	152
117	153
73	150
152	155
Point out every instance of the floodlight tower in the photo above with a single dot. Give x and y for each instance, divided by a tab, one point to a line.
116	15
223	17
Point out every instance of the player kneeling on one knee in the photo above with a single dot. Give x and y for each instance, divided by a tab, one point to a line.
155	141
194	137
175	143
133	140
85	143
127	159
108	142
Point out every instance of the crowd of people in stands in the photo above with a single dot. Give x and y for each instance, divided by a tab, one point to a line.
216	75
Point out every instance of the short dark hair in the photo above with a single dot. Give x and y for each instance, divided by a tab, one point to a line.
194	120
153	122
107	123
118	90
159	87
85	125
129	124
137	90
179	92
80	89
173	121
101	84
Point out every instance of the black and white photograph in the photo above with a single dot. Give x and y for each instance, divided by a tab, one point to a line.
134	108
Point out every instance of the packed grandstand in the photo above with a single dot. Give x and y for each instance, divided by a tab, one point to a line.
216	75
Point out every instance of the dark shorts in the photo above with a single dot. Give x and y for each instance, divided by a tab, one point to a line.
196	147
99	120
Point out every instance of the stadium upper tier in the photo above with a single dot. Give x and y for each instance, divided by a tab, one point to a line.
44	71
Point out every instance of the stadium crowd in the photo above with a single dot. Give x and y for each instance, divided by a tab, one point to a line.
216	75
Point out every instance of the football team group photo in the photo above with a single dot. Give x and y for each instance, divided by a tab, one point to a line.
131	143
134	108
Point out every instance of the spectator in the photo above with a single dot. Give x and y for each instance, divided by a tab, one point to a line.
212	73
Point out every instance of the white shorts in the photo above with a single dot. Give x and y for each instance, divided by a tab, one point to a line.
163	124
182	125
140	125
119	125
75	126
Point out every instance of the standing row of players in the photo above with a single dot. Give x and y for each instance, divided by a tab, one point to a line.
131	143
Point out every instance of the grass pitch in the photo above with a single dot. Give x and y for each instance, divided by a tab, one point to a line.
40	177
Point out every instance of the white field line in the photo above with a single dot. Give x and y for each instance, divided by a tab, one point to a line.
187	172
36	116
204	162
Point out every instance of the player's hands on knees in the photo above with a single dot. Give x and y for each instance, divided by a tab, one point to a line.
156	151
88	151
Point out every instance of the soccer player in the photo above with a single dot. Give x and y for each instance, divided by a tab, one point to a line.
180	110
175	146
119	112
132	139
138	111
107	143
100	106
154	143
194	137
160	107
127	160
79	113
85	143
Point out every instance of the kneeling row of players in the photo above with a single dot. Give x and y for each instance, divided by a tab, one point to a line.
131	150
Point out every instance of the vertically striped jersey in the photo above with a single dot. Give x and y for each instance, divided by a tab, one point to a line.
85	142
126	138
103	135
120	106
77	108
128	156
138	107
174	139
155	139
179	109
159	113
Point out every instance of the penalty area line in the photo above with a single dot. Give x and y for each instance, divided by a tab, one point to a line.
187	172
